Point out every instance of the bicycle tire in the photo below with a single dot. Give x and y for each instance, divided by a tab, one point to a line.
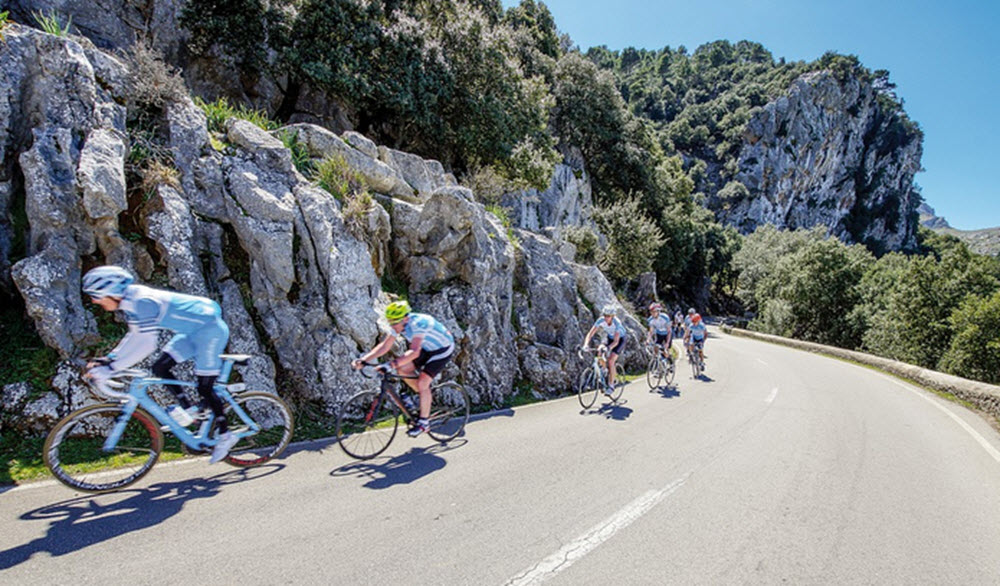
276	427
586	390
74	451
620	383
695	366
654	374
670	368
366	424
449	411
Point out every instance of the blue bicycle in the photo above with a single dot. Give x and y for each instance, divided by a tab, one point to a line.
111	445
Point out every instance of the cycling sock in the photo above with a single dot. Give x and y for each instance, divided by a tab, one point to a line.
205	384
162	368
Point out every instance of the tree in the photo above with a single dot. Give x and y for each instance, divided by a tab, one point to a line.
974	351
633	239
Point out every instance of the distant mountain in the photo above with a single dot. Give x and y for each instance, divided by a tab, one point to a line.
985	241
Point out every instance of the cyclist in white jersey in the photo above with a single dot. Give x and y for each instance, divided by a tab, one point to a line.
696	335
660	328
614	333
200	334
431	347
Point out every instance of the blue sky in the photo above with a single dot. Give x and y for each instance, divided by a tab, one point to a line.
942	56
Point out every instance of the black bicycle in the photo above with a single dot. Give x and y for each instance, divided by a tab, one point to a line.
367	422
594	379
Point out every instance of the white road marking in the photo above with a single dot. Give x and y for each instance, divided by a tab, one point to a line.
762	362
603	531
770	398
968	428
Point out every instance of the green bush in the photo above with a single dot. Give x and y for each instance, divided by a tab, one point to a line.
633	239
974	351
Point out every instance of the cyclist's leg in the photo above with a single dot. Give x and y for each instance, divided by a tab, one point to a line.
436	361
208	343
163	368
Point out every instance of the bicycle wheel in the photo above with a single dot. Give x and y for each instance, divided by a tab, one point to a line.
74	449
619	383
276	426
669	369
587	388
366	424
695	365
449	411
654	374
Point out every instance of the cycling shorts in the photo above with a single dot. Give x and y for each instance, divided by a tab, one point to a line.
661	339
618	348
432	362
204	345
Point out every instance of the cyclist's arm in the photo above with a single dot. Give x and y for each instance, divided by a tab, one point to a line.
411	354
136	345
590	334
379	350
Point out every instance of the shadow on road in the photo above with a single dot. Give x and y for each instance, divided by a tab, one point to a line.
666	391
402	469
616	411
88	520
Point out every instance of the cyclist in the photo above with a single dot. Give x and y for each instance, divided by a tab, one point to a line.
431	347
660	327
615	333
678	322
695	336
685	327
199	334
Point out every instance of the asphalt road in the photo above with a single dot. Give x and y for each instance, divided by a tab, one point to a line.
777	467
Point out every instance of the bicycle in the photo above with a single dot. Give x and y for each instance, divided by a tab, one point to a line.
113	444
695	359
661	369
367	422
594	379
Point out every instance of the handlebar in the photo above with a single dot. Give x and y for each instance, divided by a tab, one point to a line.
368	370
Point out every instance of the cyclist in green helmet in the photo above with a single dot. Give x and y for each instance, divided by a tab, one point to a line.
431	347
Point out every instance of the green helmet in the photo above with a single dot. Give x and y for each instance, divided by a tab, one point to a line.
396	311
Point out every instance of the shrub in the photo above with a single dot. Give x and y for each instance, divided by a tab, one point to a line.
220	110
151	82
51	24
588	247
975	347
633	239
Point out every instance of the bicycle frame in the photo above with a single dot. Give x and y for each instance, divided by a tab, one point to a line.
138	397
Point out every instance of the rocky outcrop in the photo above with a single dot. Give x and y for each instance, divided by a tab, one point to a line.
827	153
297	272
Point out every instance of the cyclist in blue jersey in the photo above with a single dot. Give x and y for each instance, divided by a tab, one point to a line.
614	333
431	347
661	328
695	336
199	334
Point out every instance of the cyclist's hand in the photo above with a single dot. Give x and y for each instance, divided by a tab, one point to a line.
98	373
357	364
98	361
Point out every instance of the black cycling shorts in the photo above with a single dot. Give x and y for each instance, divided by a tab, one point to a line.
431	362
662	338
617	349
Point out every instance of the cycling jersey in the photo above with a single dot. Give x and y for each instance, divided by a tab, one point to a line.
435	335
697	331
197	321
610	329
660	324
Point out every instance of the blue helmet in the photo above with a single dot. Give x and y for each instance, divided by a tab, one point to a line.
107	281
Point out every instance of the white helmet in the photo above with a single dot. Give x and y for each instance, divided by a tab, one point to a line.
107	281
609	310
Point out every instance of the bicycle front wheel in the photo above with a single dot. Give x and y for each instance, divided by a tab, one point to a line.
74	449
620	383
587	388
669	369
366	424
449	411
276	423
654	374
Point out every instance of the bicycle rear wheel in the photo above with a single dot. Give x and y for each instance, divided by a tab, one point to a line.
276	426
74	449
366	424
587	388
449	411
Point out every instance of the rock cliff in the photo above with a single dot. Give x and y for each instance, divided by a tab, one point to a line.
827	153
299	276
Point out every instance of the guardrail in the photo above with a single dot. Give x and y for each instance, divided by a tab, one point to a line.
984	396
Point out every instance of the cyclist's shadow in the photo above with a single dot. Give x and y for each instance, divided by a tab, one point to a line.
405	468
666	391
615	410
88	520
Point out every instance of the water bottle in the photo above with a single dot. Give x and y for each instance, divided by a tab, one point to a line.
181	415
409	402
